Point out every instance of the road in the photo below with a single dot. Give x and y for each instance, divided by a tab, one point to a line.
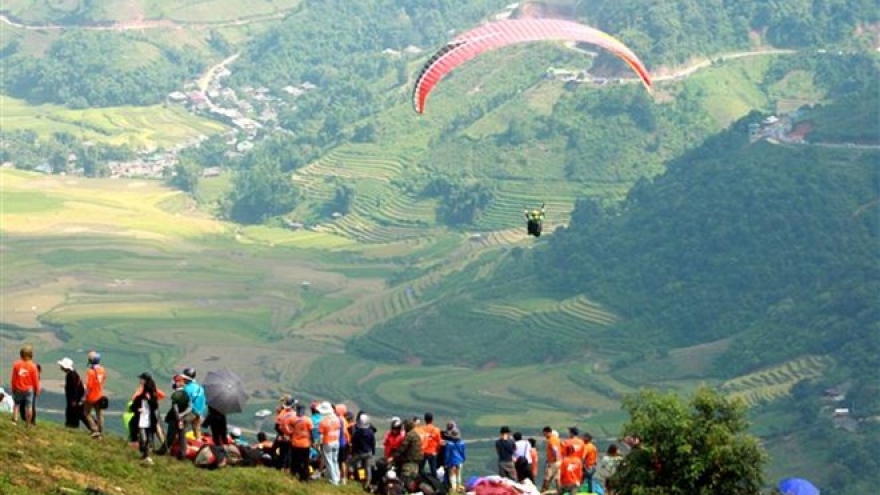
208	76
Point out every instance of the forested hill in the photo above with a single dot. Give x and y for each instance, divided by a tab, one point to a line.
671	32
772	244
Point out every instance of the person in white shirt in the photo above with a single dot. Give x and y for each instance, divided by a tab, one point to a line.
522	458
6	402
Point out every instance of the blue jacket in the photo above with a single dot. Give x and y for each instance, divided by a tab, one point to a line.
455	453
196	397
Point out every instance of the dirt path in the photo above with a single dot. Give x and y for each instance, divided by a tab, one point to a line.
209	74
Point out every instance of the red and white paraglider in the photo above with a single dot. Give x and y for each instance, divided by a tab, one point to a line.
499	34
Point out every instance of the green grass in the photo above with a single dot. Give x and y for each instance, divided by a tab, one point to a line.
27	202
138	127
53	459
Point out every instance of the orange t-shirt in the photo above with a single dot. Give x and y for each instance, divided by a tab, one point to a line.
571	471
591	455
284	420
95	379
160	395
329	428
554	449
25	377
431	439
300	428
533	454
574	447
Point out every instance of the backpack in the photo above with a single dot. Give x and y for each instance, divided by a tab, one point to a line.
210	457
431	485
234	456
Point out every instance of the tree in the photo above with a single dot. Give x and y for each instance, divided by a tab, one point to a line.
698	447
186	175
260	192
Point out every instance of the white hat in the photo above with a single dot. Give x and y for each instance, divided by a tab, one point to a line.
66	363
235	431
325	409
2	392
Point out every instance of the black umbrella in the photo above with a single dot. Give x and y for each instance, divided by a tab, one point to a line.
225	391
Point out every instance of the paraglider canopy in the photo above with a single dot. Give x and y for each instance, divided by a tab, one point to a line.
503	33
797	486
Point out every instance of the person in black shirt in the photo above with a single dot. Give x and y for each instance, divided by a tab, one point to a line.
74	393
505	448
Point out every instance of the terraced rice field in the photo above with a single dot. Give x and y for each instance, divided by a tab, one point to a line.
773	383
138	127
381	213
577	318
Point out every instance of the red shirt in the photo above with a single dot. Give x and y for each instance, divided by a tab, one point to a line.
392	442
572	471
25	377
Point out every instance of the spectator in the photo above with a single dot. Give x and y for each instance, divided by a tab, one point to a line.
7	405
145	405
199	408
431	440
300	429
522	459
74	395
237	439
455	456
591	455
330	428
95	400
505	448
553	459
607	467
363	444
409	455
25	383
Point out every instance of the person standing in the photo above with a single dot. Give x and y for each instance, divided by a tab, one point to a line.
96	376
553	459
409	455
607	467
363	448
330	428
300	430
145	405
454	456
197	402
505	448
25	382
431	440
591	455
533	458
393	439
522	459
74	394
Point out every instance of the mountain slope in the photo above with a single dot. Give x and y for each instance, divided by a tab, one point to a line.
54	459
763	241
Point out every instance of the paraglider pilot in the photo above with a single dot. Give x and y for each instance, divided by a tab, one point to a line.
535	221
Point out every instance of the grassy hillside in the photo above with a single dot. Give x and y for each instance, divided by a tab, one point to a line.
53	459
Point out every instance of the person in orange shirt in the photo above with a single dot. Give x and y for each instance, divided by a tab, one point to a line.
571	474
533	456
25	382
299	428
431	440
573	445
554	459
331	429
96	376
591	456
